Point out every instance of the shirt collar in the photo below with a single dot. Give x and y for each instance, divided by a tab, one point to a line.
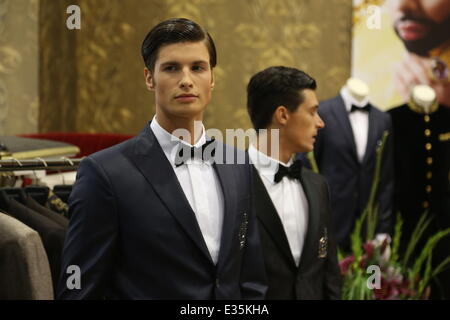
349	100
266	166
170	143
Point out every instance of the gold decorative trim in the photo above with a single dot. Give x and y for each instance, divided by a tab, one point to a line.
51	152
419	109
444	136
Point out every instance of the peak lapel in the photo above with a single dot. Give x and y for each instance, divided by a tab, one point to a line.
151	161
227	182
308	251
268	215
371	136
341	115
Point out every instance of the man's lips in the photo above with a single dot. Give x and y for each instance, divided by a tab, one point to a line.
411	30
186	97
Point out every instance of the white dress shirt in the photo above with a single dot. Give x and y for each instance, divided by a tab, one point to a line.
359	121
200	185
288	198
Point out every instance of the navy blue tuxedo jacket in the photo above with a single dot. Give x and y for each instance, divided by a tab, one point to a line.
134	235
350	181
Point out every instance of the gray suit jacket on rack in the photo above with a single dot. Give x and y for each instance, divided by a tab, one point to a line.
134	235
25	275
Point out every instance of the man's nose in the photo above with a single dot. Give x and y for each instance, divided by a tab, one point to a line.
408	6
186	79
320	122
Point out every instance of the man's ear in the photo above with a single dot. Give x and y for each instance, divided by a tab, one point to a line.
281	115
149	82
212	79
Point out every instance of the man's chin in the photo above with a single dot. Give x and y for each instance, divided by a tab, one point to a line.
187	110
305	149
432	39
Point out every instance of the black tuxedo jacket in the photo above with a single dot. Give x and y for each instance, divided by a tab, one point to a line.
318	274
350	181
134	235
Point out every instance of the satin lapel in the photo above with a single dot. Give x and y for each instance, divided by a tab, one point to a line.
341	115
308	254
371	136
151	161
268	215
228	183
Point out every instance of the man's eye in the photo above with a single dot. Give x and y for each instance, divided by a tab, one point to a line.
198	68
170	68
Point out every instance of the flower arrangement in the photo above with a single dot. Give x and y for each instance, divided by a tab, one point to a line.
397	277
375	270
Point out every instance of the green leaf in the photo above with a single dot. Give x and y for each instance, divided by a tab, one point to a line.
421	226
442	266
396	241
312	161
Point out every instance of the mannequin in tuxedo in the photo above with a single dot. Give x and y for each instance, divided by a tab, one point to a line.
143	225
422	171
291	202
345	154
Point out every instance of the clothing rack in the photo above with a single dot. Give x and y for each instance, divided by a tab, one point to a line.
13	164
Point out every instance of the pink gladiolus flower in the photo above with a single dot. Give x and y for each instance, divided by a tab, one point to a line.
368	248
345	263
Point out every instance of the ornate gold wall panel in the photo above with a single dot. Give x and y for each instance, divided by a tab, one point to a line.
18	66
92	79
58	71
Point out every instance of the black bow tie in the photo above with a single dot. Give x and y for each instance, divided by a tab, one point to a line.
366	108
203	153
294	171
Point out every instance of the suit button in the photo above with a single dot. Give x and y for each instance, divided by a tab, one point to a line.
217	283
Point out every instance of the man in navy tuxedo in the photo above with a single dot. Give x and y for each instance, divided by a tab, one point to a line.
292	203
150	222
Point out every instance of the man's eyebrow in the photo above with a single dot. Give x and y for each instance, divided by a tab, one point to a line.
201	61
177	63
169	63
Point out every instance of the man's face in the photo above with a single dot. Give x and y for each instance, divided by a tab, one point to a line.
182	80
421	24
302	126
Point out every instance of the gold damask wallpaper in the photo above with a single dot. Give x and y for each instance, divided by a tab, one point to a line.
19	97
91	80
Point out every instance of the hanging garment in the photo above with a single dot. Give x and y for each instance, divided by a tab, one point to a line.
51	233
36	206
24	268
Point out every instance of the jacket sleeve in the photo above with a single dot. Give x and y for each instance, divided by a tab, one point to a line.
333	278
253	280
386	185
91	237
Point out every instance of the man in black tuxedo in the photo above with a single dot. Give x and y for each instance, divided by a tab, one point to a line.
147	220
291	202
345	152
